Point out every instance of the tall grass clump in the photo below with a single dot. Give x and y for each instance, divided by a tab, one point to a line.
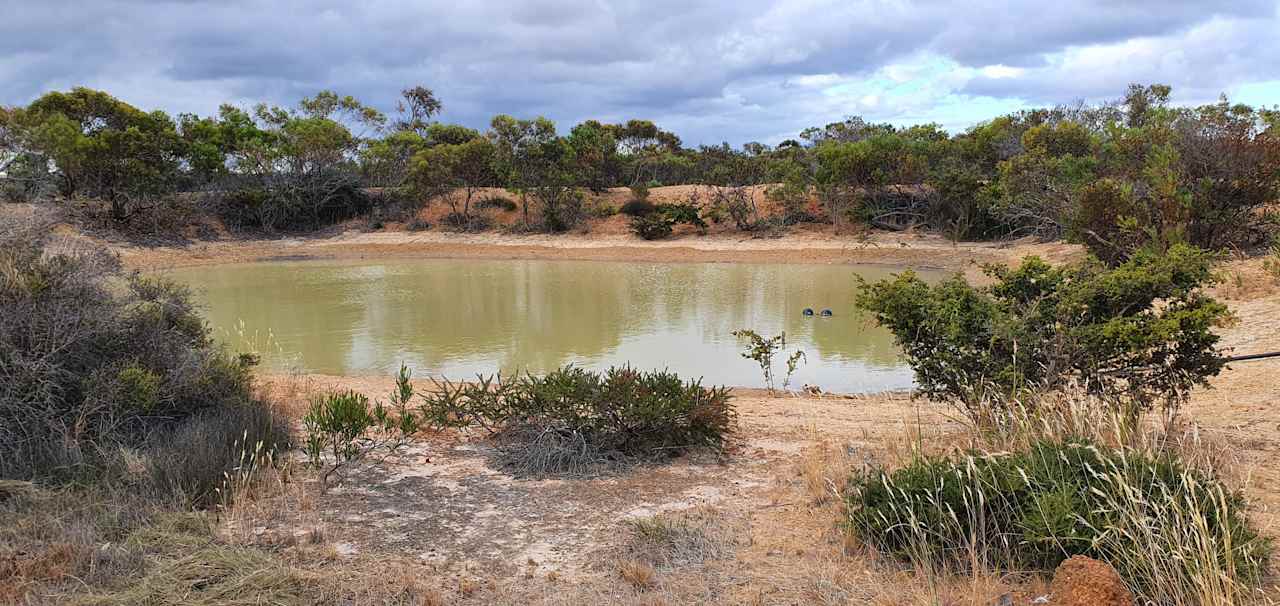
1176	533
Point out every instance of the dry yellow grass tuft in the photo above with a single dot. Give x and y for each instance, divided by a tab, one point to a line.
638	573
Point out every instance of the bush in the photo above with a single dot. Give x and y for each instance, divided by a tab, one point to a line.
687	213
304	203
1036	507
1135	335
417	224
93	361
577	420
194	458
344	427
639	192
563	208
496	202
461	222
652	226
637	208
601	209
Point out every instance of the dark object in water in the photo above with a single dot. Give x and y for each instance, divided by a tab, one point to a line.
826	313
808	311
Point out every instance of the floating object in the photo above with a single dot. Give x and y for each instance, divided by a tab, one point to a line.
826	313
808	311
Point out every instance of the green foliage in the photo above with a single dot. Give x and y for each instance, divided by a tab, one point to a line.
1116	177
344	427
455	172
1136	334
1039	506
762	351
138	389
652	226
658	223
640	192
102	147
620	414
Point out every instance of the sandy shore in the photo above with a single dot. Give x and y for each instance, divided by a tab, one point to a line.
916	250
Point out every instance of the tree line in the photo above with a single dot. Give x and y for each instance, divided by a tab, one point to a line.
1116	176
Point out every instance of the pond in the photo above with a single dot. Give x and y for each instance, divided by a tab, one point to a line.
461	317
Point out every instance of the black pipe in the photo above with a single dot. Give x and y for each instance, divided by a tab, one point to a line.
1259	356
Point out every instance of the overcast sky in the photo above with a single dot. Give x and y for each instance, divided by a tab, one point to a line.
735	71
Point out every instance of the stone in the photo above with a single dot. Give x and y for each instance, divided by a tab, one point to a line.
1082	581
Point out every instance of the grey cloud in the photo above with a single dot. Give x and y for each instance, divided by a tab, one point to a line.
713	71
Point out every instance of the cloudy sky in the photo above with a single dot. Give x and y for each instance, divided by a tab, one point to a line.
737	70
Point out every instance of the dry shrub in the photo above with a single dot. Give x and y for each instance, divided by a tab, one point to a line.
96	360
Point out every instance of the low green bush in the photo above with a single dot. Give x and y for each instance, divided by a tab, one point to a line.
574	419
687	213
342	427
637	208
652	226
658	223
1161	524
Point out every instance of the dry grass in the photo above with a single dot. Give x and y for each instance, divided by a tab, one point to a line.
679	539
638	573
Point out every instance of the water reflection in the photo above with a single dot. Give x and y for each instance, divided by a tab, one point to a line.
459	317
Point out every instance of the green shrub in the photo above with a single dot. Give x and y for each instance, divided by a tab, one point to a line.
637	208
576	420
686	213
344	427
601	209
639	192
308	203
563	208
1136	334
1271	264
652	226
498	203
1036	507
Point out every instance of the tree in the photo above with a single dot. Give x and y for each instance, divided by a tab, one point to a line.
417	105
1136	335
1040	187
102	147
595	150
526	154
454	172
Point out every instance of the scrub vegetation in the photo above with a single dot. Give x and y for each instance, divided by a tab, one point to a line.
1118	177
142	463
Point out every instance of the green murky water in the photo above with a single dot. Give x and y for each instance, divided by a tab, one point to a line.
460	317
